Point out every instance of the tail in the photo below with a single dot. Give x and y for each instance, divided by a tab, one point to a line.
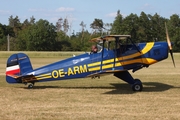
17	65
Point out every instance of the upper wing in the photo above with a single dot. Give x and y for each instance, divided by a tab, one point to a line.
110	38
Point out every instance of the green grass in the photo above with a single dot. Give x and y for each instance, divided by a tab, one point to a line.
107	98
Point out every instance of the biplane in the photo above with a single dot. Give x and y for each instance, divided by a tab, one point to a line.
117	54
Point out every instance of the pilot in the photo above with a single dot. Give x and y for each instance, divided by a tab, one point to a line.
94	49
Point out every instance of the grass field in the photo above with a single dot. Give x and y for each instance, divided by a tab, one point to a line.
107	98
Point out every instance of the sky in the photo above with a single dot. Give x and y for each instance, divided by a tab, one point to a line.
77	11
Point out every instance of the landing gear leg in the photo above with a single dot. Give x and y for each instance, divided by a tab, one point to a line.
126	76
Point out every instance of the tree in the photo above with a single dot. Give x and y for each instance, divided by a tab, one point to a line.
130	26
15	24
97	25
39	37
107	28
66	25
4	32
174	31
11	21
32	20
59	24
2	38
117	24
144	31
82	30
25	24
157	27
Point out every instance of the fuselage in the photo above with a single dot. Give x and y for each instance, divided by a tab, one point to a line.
125	57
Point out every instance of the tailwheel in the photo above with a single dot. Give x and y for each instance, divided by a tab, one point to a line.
137	86
31	85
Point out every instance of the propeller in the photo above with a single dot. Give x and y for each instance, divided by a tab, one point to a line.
169	45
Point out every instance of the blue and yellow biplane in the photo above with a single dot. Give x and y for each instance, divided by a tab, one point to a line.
117	55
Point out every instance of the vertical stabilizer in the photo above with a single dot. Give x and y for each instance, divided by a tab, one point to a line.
17	65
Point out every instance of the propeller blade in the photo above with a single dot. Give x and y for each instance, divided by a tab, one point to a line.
172	57
169	45
168	40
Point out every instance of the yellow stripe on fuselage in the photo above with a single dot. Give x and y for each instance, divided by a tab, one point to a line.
94	64
111	65
140	60
149	61
43	76
105	67
94	69
104	62
109	61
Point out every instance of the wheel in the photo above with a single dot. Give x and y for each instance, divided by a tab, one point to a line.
30	86
137	86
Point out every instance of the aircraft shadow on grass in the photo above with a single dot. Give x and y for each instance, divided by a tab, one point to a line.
148	87
119	88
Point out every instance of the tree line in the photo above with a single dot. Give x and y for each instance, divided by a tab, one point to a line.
41	35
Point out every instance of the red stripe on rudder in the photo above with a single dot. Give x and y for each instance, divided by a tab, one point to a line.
13	72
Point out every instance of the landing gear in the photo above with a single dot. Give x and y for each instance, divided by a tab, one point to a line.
137	86
31	85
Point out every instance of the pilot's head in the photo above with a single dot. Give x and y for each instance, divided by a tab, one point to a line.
94	49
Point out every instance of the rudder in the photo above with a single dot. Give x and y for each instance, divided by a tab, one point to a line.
17	65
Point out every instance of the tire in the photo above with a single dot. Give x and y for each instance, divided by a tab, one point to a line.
137	86
30	86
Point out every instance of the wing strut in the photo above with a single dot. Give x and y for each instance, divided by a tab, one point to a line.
102	55
115	52
134	44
